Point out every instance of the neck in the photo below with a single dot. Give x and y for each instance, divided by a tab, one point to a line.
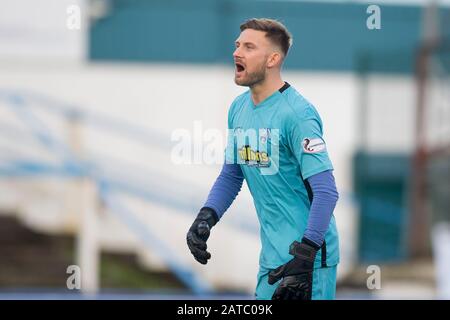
266	88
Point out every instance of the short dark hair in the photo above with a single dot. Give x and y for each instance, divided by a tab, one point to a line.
274	30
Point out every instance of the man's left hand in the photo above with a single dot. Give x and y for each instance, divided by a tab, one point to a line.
297	274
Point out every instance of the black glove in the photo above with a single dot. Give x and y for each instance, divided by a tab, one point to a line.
199	233
297	274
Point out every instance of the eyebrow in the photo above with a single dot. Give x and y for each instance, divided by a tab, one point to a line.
245	43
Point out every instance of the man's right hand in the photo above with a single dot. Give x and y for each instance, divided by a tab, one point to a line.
198	234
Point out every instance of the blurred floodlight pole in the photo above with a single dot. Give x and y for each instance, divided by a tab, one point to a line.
87	242
419	233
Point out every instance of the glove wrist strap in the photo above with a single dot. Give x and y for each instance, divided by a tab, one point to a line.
209	215
303	250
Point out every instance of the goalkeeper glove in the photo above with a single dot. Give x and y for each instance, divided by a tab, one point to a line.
297	274
199	232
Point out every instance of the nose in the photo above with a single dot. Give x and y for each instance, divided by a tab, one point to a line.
236	53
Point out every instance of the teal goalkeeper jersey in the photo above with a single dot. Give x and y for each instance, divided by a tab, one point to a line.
278	144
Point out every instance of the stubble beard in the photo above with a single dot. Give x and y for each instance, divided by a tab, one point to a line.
252	79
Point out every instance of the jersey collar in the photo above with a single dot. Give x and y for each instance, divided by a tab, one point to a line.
270	99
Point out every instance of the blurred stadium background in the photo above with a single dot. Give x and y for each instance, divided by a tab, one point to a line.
87	118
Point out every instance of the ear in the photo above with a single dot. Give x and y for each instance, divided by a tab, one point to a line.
274	59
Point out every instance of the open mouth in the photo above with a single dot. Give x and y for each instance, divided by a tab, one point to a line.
239	67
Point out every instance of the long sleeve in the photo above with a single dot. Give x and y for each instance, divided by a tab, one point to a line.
324	200
225	189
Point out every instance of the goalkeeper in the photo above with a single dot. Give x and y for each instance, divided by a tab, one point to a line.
287	170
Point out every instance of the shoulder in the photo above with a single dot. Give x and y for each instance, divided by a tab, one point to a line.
240	100
297	108
237	104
